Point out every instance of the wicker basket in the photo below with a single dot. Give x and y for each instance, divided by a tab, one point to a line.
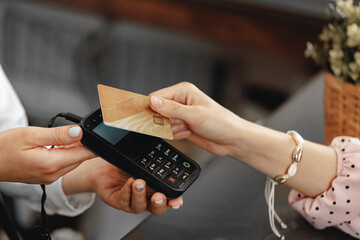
342	108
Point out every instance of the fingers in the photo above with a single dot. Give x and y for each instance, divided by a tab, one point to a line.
125	195
176	121
179	128
177	92
63	157
183	92
138	200
180	131
176	203
132	198
181	135
175	101
158	204
169	108
36	136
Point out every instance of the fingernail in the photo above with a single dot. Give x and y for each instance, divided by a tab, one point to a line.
74	131
140	187
176	207
157	102
159	202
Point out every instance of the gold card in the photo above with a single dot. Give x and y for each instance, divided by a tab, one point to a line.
132	112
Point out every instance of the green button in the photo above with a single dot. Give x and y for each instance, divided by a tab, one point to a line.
186	164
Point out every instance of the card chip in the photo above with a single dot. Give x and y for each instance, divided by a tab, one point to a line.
158	120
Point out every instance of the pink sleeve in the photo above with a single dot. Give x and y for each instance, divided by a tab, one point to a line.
339	206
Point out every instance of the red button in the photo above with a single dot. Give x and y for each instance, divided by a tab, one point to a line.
172	180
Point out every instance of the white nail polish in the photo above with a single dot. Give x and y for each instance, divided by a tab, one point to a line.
140	187
159	202
74	131
176	207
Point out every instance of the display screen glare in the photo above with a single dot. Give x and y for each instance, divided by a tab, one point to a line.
110	134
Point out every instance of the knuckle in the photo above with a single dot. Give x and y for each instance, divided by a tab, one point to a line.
188	85
199	109
125	203
138	208
57	135
160	211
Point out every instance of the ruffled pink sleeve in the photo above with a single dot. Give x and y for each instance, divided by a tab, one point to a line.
339	206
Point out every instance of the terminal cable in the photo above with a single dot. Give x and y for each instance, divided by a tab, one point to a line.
41	232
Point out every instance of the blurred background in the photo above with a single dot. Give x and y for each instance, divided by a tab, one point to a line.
247	55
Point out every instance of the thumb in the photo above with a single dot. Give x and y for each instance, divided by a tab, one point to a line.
170	109
55	136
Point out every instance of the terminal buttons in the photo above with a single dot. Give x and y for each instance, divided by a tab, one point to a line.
167	164
190	167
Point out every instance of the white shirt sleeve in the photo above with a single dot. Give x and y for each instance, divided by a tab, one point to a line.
12	114
56	203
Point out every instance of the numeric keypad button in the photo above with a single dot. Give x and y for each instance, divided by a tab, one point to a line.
152	167
159	159
162	172
144	161
175	158
159	146
167	152
176	171
168	164
152	153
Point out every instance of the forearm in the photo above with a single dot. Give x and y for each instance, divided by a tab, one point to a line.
270	152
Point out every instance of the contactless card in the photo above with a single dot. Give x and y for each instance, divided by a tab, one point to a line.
131	111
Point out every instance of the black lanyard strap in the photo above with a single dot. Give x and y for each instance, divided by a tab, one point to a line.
7	221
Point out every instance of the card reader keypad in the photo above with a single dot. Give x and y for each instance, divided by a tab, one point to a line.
167	164
163	167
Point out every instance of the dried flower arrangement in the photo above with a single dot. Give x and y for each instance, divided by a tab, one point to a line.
339	48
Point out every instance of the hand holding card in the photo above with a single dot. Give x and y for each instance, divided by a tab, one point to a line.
131	111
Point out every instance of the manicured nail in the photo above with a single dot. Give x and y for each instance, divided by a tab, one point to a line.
176	207
74	131
140	187
159	202
157	102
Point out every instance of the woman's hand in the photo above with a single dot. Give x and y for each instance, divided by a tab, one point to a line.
197	117
24	157
201	120
116	188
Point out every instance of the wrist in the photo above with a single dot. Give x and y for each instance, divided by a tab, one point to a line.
239	144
